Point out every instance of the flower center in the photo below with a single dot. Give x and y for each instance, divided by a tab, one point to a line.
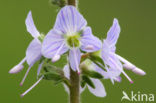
73	40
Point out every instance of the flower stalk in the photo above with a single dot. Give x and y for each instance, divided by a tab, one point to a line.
75	87
74	76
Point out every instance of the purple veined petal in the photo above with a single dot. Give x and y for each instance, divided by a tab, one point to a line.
117	64
110	73
31	28
74	59
99	90
105	53
113	33
33	52
66	71
53	44
89	42
69	20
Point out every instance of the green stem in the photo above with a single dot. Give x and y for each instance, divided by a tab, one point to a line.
75	87
74	76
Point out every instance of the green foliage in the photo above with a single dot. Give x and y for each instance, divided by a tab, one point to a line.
86	80
93	74
59	3
96	59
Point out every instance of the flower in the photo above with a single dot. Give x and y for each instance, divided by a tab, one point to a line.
98	91
70	32
33	52
112	60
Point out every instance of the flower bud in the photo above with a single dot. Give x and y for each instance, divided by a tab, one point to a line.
129	66
139	71
16	69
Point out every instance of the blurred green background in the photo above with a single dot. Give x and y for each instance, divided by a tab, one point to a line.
137	43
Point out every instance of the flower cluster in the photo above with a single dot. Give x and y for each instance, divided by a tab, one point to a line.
88	56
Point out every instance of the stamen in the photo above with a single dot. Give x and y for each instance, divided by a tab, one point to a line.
89	47
130	80
18	67
57	56
32	87
25	75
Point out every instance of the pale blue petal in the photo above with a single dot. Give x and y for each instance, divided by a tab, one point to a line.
31	28
113	33
53	44
88	39
66	71
105	53
111	73
74	59
99	90
69	20
33	52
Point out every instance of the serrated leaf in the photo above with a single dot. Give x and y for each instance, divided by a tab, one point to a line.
88	81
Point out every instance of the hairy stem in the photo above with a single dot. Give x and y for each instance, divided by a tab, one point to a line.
75	87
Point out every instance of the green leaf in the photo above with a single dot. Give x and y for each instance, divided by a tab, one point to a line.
52	76
51	68
83	83
97	59
93	74
88	81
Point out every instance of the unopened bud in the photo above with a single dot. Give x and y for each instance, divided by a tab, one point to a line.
129	66
55	58
139	71
16	69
